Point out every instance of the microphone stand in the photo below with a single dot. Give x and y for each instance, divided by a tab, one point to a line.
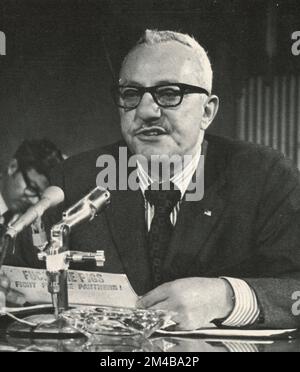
58	258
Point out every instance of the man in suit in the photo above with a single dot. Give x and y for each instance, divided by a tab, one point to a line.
231	258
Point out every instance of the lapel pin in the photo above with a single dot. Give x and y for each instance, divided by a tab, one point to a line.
208	213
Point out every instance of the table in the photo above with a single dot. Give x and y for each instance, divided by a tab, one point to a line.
154	344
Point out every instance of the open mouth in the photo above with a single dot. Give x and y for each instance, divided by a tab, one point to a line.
152	131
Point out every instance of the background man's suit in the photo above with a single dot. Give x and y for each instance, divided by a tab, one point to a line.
252	230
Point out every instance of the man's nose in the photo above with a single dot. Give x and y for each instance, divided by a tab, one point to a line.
148	108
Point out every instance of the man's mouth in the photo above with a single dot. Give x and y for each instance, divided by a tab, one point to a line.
152	131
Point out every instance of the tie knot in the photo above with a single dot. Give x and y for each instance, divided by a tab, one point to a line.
163	197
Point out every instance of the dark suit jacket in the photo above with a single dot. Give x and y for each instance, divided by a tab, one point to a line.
253	232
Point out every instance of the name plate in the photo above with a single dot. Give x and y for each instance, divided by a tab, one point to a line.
85	288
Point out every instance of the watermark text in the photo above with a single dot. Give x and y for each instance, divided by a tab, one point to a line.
296	304
296	44
124	173
2	44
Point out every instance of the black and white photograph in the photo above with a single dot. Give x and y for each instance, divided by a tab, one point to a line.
149	178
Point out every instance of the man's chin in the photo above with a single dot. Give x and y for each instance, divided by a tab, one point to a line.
155	154
153	150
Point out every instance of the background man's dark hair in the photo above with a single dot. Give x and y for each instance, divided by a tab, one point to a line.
41	155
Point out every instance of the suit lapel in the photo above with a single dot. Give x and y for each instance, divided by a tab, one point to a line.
196	222
126	217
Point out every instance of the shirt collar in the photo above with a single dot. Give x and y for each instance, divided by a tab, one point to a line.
3	206
181	179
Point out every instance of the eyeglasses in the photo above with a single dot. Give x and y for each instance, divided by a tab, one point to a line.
31	190
167	95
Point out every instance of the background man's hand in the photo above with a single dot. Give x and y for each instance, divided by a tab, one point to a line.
196	301
8	295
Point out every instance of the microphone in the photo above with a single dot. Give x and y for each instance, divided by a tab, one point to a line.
52	196
87	208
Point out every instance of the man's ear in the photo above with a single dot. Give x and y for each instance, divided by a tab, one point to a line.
210	111
13	167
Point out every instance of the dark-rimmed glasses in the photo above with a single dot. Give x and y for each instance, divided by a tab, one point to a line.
166	95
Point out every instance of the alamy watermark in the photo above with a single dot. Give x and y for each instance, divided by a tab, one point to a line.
2	44
124	173
296	304
296	44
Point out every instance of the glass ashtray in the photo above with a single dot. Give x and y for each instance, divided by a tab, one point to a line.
115	321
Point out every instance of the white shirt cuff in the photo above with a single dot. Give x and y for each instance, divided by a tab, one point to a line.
246	310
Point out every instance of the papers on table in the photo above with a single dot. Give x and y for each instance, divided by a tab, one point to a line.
85	288
233	333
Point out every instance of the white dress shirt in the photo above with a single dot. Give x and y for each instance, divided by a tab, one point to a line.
3	208
246	310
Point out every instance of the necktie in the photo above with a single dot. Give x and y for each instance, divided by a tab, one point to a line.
161	228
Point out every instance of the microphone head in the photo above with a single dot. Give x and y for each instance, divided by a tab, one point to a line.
54	195
99	198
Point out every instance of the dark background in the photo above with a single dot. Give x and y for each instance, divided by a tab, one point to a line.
55	79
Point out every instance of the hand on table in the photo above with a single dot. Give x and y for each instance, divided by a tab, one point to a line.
196	301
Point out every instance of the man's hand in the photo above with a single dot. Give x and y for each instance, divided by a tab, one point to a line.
8	295
196	301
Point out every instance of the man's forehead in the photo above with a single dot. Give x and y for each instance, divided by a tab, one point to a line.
169	61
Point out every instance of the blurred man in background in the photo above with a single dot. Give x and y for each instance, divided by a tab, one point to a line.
26	177
21	186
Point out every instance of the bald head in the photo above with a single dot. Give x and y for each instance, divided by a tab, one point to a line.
199	63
